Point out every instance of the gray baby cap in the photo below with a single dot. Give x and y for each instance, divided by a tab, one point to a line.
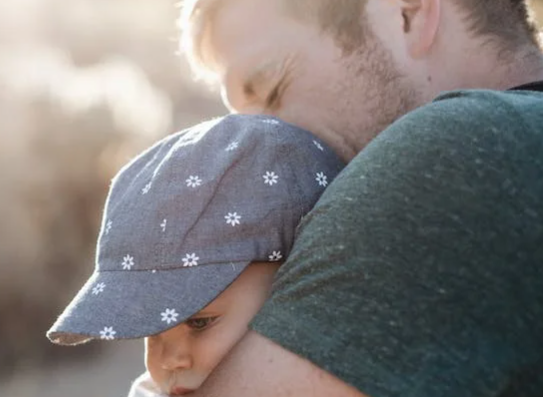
187	216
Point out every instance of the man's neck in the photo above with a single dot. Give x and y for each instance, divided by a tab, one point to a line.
526	67
491	69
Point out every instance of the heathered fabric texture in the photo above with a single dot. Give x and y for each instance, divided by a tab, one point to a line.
419	273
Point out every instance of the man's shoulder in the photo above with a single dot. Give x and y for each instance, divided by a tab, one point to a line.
495	102
457	122
462	136
475	110
478	110
409	248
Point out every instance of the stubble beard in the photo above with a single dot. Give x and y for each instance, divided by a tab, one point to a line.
384	93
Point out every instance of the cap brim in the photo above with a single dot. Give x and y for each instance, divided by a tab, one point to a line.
138	303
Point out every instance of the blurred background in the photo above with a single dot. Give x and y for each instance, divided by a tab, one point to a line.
84	86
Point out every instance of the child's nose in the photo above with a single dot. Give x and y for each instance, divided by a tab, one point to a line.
176	357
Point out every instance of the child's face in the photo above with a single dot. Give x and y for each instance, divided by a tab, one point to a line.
180	359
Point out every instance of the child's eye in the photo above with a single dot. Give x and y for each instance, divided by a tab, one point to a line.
199	324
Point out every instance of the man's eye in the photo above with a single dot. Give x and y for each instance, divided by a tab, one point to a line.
248	90
273	96
199	324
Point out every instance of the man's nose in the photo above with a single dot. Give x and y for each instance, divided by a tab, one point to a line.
176	356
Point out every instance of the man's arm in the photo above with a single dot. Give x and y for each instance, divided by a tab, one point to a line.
259	367
404	280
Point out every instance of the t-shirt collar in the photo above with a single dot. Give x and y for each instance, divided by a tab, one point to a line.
534	86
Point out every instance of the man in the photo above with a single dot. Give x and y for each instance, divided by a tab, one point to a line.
420	271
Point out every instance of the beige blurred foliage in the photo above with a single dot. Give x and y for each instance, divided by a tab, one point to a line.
84	85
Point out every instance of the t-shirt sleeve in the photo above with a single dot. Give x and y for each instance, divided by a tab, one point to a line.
419	272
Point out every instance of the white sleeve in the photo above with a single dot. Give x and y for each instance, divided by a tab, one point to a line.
144	386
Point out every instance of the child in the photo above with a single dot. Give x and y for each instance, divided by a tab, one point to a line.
193	231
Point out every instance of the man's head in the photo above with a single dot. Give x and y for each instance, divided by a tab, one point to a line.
345	69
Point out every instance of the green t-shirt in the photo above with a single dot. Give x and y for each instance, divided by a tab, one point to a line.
420	271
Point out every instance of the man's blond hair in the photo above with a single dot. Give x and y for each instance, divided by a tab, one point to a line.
340	18
508	21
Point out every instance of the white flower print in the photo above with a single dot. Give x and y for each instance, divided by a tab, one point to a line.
193	181
232	146
146	189
107	333
128	262
163	225
270	178
318	145
190	260
270	121
232	218
169	316
109	224
275	256
98	288
322	179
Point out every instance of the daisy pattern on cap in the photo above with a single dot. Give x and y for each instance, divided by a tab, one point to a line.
318	145
161	198
232	218
107	333
98	288
193	181
146	189
232	146
109	224
128	262
322	179
169	315
270	121
190	260
270	178
275	256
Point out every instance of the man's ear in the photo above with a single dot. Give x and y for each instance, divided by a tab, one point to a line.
420	24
